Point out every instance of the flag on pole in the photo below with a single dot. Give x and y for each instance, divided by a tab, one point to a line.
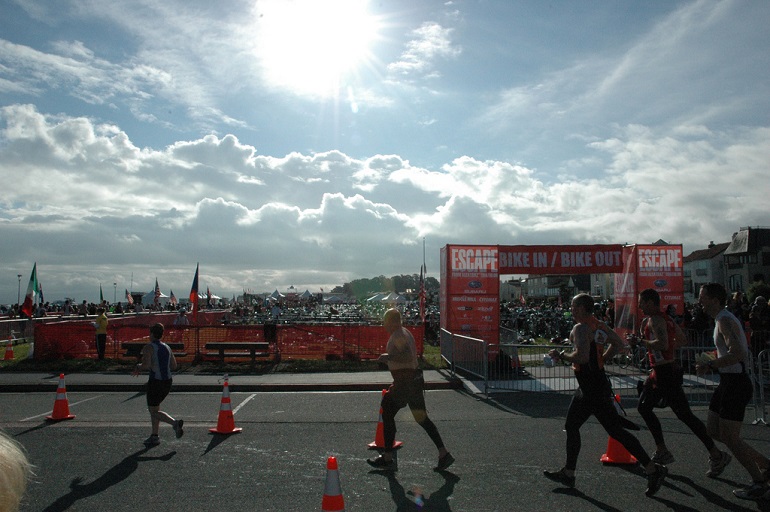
129	297
422	294
101	294
156	299
40	290
172	298
194	293
208	297
33	289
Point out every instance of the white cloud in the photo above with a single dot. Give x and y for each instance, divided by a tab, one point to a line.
90	199
431	41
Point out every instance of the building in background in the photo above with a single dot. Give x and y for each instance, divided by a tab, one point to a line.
703	266
747	258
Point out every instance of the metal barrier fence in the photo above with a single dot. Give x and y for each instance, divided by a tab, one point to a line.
514	366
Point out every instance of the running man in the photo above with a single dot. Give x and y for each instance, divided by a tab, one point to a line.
590	337
159	361
660	333
407	389
728	403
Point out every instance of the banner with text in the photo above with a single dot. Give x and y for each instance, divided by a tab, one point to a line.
560	259
470	283
659	267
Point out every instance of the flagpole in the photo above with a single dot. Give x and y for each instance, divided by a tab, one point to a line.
423	258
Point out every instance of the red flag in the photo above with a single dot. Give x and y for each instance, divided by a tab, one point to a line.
33	289
194	293
522	300
129	297
157	293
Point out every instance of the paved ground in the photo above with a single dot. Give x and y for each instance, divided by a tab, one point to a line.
96	461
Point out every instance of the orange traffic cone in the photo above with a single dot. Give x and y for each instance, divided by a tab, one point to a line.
333	500
616	452
225	423
61	407
9	350
379	435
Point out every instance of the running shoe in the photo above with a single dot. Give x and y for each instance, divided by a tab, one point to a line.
716	466
444	462
655	479
383	464
153	440
178	428
754	491
663	457
561	477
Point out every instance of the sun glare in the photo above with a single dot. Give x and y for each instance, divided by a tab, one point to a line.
311	46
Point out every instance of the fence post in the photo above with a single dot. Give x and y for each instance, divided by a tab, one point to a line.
485	366
758	380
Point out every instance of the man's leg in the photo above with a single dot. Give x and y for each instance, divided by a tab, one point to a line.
754	462
577	414
647	400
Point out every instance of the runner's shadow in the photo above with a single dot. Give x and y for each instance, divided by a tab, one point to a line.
578	494
438	501
712	497
116	474
137	395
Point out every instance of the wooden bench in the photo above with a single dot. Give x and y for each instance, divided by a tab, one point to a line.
252	349
134	348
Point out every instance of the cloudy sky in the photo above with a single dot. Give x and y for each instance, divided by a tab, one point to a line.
303	143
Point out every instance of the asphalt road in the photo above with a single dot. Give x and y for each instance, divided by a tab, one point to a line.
97	461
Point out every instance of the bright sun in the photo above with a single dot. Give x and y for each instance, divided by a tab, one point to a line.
310	46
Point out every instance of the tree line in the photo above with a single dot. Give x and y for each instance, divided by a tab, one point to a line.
366	287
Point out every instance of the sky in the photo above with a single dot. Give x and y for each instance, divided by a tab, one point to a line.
302	143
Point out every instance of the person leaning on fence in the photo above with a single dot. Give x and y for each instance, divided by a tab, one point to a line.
15	471
661	336
101	332
407	389
594	397
728	403
159	361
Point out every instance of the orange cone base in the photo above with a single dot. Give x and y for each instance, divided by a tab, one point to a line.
60	418
617	454
374	446
236	430
333	503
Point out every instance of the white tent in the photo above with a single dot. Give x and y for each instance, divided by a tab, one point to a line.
393	297
306	295
149	298
276	294
377	297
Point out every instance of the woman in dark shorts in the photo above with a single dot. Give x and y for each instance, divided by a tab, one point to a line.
159	361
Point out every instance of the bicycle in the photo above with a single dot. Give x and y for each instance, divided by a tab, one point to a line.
634	354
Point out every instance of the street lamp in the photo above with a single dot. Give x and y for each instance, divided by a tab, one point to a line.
18	293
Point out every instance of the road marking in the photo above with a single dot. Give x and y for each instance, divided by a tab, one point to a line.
50	412
243	403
